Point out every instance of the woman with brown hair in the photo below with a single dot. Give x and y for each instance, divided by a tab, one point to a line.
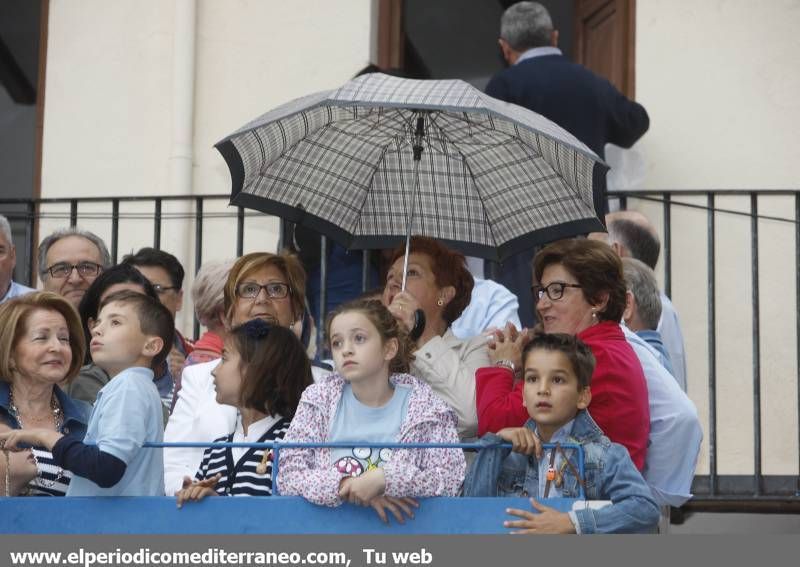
260	285
41	351
580	291
439	284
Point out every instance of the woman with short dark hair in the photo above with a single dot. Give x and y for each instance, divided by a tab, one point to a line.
580	291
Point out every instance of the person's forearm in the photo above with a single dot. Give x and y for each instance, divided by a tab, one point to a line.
88	461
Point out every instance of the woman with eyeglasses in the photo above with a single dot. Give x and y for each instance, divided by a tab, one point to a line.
580	291
260	285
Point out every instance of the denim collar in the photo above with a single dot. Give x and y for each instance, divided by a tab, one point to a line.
75	413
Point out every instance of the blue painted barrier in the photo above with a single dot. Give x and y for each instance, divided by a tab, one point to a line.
257	515
263	515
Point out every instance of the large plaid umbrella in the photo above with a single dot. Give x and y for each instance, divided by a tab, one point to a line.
487	177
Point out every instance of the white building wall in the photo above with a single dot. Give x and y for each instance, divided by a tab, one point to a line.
721	81
109	104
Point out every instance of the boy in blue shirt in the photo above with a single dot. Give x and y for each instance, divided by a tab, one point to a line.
132	335
557	372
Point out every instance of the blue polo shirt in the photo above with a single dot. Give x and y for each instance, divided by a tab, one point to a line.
126	414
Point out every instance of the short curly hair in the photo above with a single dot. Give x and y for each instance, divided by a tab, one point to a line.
449	268
595	265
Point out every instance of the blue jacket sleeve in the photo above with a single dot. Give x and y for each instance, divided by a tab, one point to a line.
484	474
88	461
632	508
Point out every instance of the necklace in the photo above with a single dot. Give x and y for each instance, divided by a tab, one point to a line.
58	421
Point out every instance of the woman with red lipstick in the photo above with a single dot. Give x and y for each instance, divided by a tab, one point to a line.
439	285
41	350
580	291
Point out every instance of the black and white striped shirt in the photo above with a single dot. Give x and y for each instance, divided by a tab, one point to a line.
238	472
51	480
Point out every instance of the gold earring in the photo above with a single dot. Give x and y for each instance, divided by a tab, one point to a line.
440	302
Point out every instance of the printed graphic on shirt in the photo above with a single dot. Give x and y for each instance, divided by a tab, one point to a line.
363	459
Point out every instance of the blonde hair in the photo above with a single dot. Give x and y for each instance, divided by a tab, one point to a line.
286	262
385	323
14	314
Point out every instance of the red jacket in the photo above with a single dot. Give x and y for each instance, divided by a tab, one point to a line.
619	393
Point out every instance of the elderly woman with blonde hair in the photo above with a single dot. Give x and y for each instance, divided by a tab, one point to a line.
41	350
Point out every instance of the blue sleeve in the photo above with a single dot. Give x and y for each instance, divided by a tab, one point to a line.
484	473
627	120
88	461
123	425
632	508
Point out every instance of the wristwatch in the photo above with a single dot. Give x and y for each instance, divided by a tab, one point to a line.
505	363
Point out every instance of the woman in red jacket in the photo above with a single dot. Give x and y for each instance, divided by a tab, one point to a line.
581	292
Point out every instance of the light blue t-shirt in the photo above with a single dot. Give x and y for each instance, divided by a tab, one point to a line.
126	414
355	421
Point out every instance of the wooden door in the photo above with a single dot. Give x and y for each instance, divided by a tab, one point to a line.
605	40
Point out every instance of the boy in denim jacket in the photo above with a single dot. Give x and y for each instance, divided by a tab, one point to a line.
557	372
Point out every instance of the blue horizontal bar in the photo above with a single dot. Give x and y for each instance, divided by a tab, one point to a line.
255	514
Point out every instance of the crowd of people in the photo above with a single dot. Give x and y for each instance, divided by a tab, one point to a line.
92	367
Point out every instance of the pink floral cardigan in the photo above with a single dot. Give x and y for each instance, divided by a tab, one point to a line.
411	472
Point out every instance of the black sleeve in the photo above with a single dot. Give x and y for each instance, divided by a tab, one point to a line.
88	461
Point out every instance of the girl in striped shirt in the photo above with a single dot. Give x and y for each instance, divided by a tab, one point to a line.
263	372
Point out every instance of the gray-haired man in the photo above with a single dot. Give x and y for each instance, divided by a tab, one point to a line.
69	261
8	260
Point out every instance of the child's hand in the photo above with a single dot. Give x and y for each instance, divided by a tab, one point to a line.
547	521
363	489
13	438
197	490
397	506
522	440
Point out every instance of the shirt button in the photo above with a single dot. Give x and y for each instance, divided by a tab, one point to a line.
427	355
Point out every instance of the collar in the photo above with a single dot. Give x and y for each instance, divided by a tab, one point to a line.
73	410
561	435
538	52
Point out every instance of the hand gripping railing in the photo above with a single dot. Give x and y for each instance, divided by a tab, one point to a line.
277	446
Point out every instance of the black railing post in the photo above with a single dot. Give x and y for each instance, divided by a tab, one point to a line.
157	225
114	229
30	231
712	351
323	291
756	346
73	212
198	250
240	232
365	257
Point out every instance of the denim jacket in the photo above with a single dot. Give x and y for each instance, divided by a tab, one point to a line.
76	412
608	470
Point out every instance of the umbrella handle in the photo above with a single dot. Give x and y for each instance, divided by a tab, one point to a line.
419	325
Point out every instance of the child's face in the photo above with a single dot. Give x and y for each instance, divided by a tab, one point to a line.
227	376
118	341
358	348
551	393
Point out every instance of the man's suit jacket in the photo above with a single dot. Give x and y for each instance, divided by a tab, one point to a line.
588	107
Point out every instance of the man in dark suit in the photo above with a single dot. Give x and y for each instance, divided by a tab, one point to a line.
540	78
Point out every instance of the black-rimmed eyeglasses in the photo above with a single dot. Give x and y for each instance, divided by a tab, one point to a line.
85	269
554	291
250	290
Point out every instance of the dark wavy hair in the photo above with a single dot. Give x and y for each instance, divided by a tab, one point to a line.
90	304
597	268
449	268
385	323
274	366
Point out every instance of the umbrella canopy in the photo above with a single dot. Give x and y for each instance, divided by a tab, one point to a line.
493	178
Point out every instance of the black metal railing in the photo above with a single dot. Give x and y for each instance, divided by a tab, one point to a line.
26	214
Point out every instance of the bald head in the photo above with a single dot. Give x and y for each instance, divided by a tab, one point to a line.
632	235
